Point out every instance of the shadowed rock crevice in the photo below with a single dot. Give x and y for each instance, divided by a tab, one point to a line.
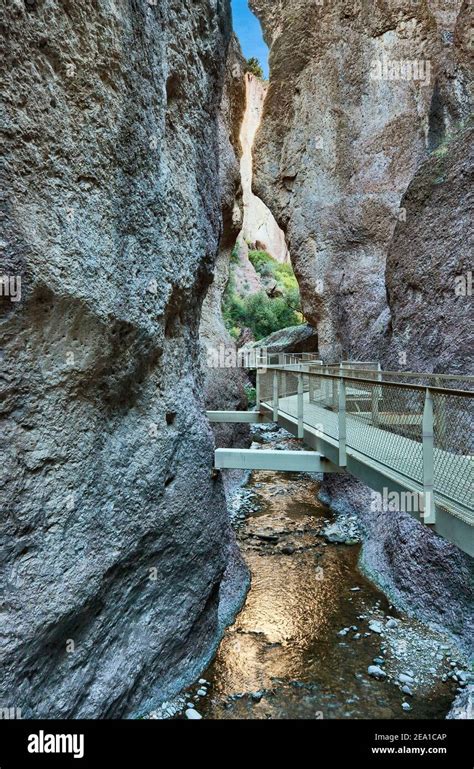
113	219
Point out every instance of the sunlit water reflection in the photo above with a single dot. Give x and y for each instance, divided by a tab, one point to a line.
283	657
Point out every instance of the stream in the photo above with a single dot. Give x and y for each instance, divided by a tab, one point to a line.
312	624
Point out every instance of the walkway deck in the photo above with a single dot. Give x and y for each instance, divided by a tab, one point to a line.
387	451
408	436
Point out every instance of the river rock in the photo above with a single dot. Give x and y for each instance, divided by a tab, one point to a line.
375	626
257	696
334	534
376	672
193	715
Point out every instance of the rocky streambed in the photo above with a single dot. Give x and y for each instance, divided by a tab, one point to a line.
315	638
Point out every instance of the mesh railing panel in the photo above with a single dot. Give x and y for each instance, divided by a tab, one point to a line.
288	389
454	448
322	405
266	386
385	424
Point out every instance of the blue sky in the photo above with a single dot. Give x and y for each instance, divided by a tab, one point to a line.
249	32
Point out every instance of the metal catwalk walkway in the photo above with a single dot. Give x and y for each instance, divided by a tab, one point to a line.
409	437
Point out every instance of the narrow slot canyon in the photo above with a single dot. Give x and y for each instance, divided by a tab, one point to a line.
237	370
254	674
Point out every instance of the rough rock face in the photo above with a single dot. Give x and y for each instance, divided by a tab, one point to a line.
429	266
224	386
115	537
422	573
337	150
259	225
463	706
292	339
340	143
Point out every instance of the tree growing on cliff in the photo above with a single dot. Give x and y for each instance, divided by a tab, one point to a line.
253	65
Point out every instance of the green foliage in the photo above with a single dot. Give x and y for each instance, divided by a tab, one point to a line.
442	149
251	394
234	255
253	65
258	312
268	267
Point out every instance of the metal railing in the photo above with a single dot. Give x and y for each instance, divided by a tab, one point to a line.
409	423
256	358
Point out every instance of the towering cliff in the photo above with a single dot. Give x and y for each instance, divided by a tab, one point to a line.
259	225
429	266
224	386
429	261
359	94
363	157
115	536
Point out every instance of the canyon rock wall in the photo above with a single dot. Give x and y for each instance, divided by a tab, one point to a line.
429	266
340	143
259	226
429	262
368	176
115	537
224	385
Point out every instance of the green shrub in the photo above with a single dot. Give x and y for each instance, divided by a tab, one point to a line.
267	266
234	255
253	65
258	312
251	394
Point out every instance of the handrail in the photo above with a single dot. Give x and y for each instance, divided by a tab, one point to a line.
384	431
460	377
380	382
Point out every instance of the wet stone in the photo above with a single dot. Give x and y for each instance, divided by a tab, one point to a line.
376	672
295	627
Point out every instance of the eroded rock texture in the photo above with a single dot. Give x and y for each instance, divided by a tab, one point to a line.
429	266
338	148
301	338
224	385
115	537
369	178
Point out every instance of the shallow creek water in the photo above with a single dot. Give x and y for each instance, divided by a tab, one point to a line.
285	656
